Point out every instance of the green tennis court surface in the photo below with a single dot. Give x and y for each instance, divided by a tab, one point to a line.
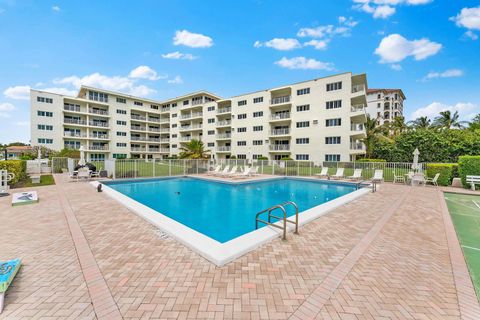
465	212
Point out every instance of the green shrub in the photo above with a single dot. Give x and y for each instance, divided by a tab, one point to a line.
371	160
468	166
447	171
17	167
262	158
286	159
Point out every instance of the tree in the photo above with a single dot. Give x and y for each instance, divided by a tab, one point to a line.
420	123
195	149
375	133
475	123
398	125
447	120
17	144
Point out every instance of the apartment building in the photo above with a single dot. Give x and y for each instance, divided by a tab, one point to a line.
385	104
316	120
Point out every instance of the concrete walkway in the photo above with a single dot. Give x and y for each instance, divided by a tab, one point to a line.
388	255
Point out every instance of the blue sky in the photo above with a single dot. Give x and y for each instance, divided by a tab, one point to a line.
161	49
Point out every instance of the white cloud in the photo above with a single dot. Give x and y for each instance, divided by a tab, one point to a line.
5	109
62	91
396	67
450	73
468	18
317	44
194	40
304	63
279	44
395	48
178	55
383	9
433	109
144	72
471	35
23	123
317	32
176	80
18	92
56	8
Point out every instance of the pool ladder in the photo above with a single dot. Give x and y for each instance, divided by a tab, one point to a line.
284	219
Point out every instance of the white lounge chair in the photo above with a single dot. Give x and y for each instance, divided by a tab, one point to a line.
224	171
339	174
231	172
377	176
254	171
244	174
215	171
323	173
433	180
472	181
398	178
83	173
357	175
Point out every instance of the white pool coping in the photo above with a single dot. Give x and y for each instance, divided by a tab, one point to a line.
212	250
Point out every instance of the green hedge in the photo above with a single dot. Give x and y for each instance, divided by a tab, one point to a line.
447	171
468	166
371	160
18	167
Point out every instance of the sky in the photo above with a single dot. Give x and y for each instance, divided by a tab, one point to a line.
162	49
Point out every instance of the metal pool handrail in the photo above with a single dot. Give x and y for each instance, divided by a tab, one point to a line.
284	218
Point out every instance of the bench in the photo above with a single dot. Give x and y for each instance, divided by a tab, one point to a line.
473	180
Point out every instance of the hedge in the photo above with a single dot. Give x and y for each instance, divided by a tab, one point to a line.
371	160
18	167
447	171
468	166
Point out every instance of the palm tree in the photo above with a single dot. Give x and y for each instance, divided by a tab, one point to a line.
374	134
195	149
448	120
475	123
420	123
398	125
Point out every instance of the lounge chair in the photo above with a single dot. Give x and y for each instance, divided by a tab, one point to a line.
254	171
398	178
418	179
224	171
83	173
377	176
357	175
231	172
95	174
215	171
433	180
244	174
339	174
323	173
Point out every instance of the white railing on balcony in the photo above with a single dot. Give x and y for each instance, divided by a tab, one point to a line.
138	138
191	127
165	109
357	145
137	148
74	134
280	116
277	132
138	128
99	136
191	115
197	102
224	136
357	127
223	148
98	124
224	110
165	150
157	120
279	147
358	107
153	129
137	117
97	111
153	139
75	121
358	88
95	147
279	100
165	140
72	108
224	123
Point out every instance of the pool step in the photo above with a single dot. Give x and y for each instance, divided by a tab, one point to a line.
284	219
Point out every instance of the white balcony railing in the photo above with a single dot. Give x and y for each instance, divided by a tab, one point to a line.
280	100
191	115
138	148
99	136
137	117
165	140
357	107
279	132
224	149
357	146
224	136
279	147
97	147
72	108
191	127
98	111
75	121
138	128
357	127
224	123
358	88
138	138
98	124
280	116
224	110
74	134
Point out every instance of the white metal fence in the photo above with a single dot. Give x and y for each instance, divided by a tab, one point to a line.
150	168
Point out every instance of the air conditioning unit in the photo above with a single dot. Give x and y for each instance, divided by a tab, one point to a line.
315	121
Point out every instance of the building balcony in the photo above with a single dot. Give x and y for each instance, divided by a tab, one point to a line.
98	112
72	108
98	147
223	136
279	147
191	115
358	107
280	100
224	110
138	138
192	127
138	128
165	140
98	124
357	127
75	122
138	149
165	109
280	116
358	88
280	132
224	123
189	138
137	117
70	134
153	140
224	149
99	136
357	145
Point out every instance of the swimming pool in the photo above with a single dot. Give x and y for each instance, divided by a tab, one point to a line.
217	219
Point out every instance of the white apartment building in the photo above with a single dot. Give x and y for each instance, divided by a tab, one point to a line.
316	120
385	104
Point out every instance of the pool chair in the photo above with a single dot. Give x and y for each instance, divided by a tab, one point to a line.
244	174
377	176
254	171
83	173
357	175
224	171
323	173
230	173
339	174
215	171
433	180
8	270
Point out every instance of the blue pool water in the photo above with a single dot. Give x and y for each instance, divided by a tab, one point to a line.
224	211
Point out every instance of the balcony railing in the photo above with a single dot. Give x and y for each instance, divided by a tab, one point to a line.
165	140
165	150
279	147
357	107
280	116
72	108
98	124
153	139
138	128
357	146
74	134
224	149
186	139
138	148
197	102
279	132
99	136
280	100
357	127
224	110
137	117
98	111
75	121
166	109
224	123
191	115
138	138
157	120
191	127
154	129
224	136
358	88
95	147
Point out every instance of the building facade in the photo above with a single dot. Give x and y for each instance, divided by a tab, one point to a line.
316	120
385	104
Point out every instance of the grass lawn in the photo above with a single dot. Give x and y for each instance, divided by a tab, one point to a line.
131	169
45	180
465	213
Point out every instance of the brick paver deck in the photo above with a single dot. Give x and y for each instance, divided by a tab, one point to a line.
383	256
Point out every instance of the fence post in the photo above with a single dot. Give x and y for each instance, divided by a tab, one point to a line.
135	166
197	163
153	163
169	167
184	166
310	168
273	168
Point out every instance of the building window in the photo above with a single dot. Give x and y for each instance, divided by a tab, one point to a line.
186	102
241	143
242	116
303	140
212	108
44	114
45	141
121	123
379	96
174	145
153	106
45	100
242	130
303	124
121	144
302	157
138	103
45	127
121	100
120	111
258	114
303	91
332	157
210	144
257	142
242	103
256	156
333	122
304	107
121	134
174	125
174	135
97	96
212	120
334	104
119	156
174	115
332	140
258	100
211	132
379	105
334	86
241	156
257	128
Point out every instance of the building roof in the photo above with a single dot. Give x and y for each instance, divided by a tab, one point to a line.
19	148
372	90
